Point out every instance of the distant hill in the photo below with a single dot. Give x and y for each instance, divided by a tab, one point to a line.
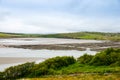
8	35
76	35
86	35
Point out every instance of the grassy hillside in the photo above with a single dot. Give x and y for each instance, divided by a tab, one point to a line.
18	35
77	35
87	35
9	35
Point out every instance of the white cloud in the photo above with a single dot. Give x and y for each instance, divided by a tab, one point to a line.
22	21
44	23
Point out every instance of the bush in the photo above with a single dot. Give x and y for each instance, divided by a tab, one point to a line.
33	70
1	76
38	70
50	65
108	57
85	59
17	71
59	62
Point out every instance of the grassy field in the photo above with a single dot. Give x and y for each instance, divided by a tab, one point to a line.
18	35
79	77
81	68
77	35
87	35
83	72
2	35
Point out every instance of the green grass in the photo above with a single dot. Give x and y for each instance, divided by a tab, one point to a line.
83	72
5	35
87	35
79	77
81	68
77	35
9	35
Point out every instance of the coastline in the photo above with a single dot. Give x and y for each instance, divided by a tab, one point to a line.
10	60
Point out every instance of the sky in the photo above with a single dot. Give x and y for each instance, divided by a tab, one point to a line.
59	16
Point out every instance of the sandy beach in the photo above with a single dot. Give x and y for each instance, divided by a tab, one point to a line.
10	60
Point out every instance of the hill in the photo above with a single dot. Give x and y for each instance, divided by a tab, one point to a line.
77	35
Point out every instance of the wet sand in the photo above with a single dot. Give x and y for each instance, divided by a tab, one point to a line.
58	44
10	60
72	46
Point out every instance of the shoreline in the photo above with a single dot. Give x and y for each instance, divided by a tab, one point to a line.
12	60
6	62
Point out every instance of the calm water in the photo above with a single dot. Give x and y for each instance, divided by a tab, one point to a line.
14	52
30	41
43	54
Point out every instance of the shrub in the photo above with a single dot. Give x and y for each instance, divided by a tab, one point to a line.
49	65
1	76
108	57
17	71
85	59
59	62
38	70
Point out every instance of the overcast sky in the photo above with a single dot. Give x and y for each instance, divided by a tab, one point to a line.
59	16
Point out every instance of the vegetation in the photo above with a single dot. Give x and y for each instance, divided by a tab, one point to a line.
87	35
36	70
4	35
108	57
85	59
105	64
51	65
18	35
77	35
80	77
17	71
